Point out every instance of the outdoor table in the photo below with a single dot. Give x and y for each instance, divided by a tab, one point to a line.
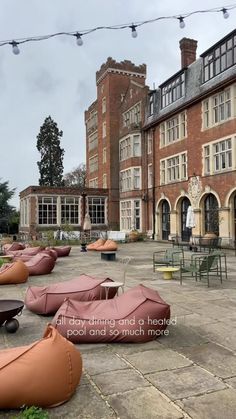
167	271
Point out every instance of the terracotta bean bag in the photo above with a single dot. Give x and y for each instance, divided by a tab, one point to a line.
45	373
12	246
97	243
40	264
51	252
47	300
62	250
138	315
108	246
13	273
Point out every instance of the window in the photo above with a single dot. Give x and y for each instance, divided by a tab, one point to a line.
219	156
96	207
173	129
47	210
150	175
130	179
93	141
172	90
93	163
92	121
132	116
69	210
24	212
149	141
151	104
104	129
104	105
174	169
93	183
130	215
220	57
104	155
130	147
219	108
104	181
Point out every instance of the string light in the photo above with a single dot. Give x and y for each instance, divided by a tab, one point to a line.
133	26
181	22
133	31
225	13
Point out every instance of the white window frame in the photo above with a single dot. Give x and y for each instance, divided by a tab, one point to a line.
93	163
217	153
93	141
219	108
173	129
104	155
130	146
150	141
73	206
132	115
131	179
150	175
174	168
104	129
130	214
93	183
104	181
104	106
47	202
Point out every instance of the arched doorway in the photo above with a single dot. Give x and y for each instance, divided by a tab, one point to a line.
165	225
185	231
211	212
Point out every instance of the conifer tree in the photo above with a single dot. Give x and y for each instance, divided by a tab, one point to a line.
48	144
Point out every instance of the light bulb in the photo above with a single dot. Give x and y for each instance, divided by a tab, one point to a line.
181	22
134	32
79	40
225	13
15	48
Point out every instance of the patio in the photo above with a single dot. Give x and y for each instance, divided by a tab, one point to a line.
190	373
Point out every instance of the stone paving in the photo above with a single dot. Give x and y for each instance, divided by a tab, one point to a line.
191	373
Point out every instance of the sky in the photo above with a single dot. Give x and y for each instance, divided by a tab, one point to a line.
56	77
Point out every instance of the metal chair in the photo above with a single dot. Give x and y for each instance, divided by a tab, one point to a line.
116	284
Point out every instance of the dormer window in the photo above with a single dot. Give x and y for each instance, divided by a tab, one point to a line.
220	57
173	89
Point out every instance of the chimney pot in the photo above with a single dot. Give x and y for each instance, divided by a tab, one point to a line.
188	49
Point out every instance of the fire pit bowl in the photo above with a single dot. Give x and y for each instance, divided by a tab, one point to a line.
8	310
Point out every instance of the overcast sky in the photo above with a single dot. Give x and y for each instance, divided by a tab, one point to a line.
56	77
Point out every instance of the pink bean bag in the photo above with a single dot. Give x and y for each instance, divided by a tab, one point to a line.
138	315
40	264
13	273
51	252
47	300
13	246
62	250
97	243
44	373
28	251
108	246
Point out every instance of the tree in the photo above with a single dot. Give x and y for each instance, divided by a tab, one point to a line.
6	210
77	177
48	144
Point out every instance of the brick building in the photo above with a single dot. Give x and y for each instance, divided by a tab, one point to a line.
193	123
45	208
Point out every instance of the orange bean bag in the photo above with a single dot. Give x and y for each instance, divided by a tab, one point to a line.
12	246
108	246
96	244
13	273
45	373
62	250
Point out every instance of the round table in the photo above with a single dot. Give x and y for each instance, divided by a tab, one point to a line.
167	271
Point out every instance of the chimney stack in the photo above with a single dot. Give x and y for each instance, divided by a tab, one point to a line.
188	49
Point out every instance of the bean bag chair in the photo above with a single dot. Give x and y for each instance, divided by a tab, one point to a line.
97	243
45	373
62	250
28	251
108	246
40	264
13	273
47	300
51	252
12	246
138	315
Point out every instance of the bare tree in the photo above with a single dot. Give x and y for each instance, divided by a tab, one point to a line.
77	176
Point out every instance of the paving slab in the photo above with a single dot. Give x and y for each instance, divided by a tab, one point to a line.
157	360
181	335
102	362
185	382
143	403
217	405
214	358
119	381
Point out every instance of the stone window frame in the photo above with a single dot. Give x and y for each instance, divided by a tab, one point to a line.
174	168
215	152
173	129
222	105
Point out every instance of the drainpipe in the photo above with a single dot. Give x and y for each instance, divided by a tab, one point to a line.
153	187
